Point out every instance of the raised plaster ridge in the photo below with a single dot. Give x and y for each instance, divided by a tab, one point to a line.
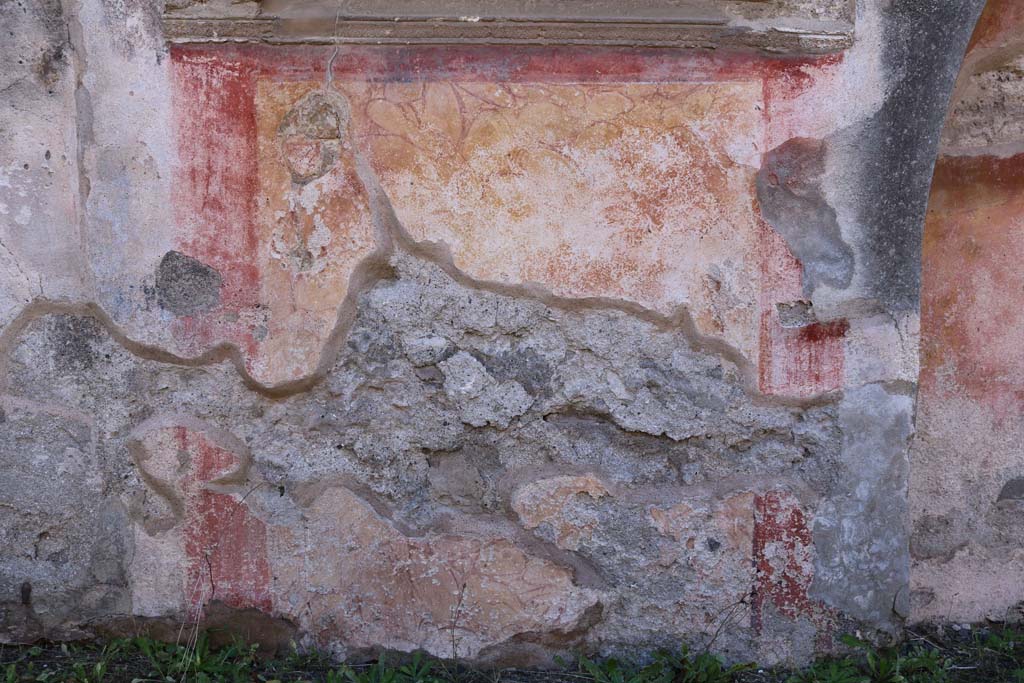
83	127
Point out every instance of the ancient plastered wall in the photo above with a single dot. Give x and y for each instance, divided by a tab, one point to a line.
493	351
966	487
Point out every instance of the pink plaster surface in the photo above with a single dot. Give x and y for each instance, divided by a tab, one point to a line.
971	401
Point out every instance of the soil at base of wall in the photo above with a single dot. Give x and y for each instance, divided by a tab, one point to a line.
993	653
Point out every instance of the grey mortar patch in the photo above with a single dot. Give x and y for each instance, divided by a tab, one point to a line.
186	286
525	366
860	534
789	193
1012	490
795	314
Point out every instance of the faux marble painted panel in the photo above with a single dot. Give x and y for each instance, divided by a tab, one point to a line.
612	179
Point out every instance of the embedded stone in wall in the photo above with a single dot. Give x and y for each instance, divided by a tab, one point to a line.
185	286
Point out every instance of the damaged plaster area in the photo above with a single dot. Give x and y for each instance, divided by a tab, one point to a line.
496	352
531	478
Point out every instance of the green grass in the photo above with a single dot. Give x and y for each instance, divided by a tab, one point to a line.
882	665
981	655
984	655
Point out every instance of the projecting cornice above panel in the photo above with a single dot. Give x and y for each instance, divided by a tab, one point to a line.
777	26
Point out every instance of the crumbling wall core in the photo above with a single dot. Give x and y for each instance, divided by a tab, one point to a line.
492	351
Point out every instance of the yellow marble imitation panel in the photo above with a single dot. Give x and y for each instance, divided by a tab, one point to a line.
633	192
630	191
